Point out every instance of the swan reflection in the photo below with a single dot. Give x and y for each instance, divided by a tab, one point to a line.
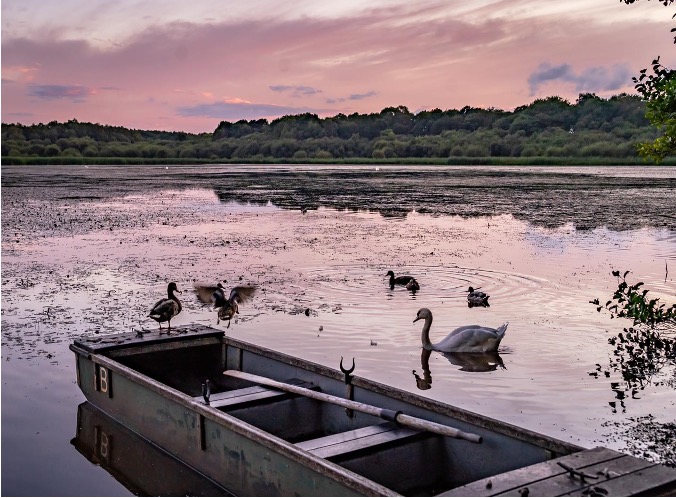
476	362
468	362
424	382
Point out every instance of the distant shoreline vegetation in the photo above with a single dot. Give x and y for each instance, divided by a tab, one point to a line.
456	161
551	131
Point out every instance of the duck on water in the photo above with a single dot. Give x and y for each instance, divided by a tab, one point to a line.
475	297
404	280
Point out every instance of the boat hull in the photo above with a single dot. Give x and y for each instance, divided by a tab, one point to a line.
154	387
239	457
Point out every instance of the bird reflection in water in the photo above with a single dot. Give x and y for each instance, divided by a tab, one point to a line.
468	362
476	362
424	382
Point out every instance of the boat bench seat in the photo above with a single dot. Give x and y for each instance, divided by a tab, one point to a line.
356	440
246	395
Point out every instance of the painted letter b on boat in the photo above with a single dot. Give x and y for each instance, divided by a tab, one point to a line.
102	380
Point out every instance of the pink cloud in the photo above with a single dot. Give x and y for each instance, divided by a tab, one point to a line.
20	73
401	55
76	93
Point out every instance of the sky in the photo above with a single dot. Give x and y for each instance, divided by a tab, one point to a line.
188	65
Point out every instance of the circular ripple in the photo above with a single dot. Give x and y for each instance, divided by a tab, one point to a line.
356	302
358	284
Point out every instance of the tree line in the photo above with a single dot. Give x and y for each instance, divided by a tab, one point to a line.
550	130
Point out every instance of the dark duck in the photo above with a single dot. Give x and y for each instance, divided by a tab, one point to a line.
167	308
477	298
404	280
226	306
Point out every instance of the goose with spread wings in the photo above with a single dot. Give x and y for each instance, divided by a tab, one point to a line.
226	306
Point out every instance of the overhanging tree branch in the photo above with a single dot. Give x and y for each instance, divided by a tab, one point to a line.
658	90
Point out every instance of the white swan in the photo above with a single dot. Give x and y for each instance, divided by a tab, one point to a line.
466	339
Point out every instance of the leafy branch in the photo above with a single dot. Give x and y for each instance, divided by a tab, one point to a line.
629	301
640	352
658	90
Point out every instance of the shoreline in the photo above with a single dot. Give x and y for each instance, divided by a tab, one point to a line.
411	161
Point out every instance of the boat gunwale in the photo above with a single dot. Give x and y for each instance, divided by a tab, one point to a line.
125	344
483	421
340	474
486	422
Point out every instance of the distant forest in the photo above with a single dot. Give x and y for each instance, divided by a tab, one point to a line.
593	130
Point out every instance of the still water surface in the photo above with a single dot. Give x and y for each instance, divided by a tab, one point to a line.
89	250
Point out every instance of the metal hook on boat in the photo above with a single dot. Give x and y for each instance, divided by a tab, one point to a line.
348	377
349	393
206	391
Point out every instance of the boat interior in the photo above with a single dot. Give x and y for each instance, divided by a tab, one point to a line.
406	460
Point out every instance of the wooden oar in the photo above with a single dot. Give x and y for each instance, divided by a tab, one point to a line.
401	418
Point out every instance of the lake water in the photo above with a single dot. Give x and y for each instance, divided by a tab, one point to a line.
87	250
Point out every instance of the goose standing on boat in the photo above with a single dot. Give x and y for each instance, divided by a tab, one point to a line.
466	339
226	306
167	308
475	297
404	280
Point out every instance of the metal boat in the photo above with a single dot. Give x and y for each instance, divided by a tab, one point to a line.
258	422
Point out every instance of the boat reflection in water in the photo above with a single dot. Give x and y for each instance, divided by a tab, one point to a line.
140	466
468	362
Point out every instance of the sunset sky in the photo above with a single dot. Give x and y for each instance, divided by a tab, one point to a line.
187	65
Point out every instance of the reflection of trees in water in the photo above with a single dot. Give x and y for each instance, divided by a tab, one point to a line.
644	352
542	198
640	354
468	362
643	355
